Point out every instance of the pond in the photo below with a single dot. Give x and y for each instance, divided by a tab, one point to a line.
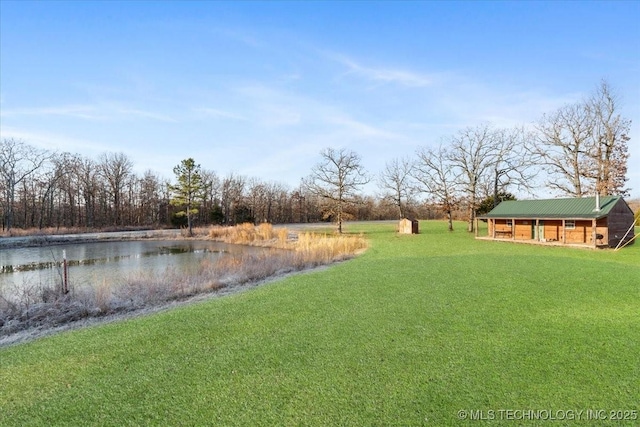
93	263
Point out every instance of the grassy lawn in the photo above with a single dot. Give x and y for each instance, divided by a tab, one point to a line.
414	331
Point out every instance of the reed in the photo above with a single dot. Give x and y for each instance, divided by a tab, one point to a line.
245	234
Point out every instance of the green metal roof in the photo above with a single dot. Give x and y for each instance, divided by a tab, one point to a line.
554	208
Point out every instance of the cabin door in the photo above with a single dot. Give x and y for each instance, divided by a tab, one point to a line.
541	230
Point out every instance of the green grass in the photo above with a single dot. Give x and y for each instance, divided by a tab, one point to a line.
410	333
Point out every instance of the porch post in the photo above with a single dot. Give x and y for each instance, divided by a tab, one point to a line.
536	234
594	232
513	229
564	232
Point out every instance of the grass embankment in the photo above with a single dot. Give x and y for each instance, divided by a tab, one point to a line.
416	330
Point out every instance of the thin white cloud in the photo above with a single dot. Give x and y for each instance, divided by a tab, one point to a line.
360	130
74	111
86	112
383	74
219	114
145	115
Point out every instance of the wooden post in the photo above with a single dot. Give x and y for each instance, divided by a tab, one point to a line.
65	275
594	232
513	229
564	231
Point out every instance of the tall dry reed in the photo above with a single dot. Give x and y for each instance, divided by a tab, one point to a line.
249	234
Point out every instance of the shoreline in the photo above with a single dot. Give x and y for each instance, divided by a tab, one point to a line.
40	240
36	332
33	334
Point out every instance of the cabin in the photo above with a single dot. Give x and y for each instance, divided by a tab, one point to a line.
601	221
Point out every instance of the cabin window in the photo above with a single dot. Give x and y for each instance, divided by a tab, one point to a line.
509	223
570	224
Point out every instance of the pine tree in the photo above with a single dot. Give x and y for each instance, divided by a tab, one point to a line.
189	190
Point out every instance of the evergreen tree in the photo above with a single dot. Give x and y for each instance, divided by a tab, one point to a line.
188	191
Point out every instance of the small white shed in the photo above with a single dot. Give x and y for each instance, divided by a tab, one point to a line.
408	226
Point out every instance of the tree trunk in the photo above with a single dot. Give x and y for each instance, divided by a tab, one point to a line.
472	215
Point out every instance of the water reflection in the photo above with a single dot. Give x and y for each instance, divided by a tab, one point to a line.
94	263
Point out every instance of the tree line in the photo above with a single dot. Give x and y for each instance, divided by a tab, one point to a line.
43	189
580	149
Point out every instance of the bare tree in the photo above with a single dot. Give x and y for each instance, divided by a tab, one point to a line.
396	183
149	198
438	178
257	199
609	153
232	191
88	177
279	204
472	154
563	145
18	161
337	179
115	168
67	167
511	164
584	146
211	210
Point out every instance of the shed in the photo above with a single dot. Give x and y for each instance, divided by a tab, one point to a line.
408	226
601	221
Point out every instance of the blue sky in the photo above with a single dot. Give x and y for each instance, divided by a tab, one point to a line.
259	88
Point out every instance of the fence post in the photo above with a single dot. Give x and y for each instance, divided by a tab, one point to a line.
65	275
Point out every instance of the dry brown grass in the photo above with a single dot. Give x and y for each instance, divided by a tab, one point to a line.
307	248
54	231
249	234
48	231
329	245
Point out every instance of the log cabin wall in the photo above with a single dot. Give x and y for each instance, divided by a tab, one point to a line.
581	233
501	225
523	229
552	230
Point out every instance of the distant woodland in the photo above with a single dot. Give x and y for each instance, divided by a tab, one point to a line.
578	150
